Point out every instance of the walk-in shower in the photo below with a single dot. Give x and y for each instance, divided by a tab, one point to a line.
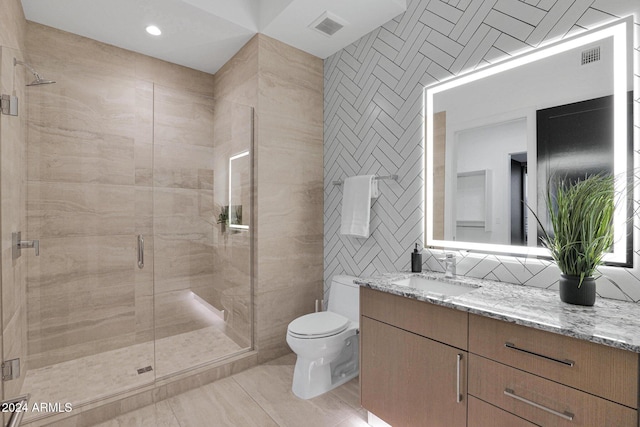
113	161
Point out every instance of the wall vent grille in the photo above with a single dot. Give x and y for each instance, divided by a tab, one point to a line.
591	55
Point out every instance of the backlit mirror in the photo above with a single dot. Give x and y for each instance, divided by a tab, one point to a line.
495	136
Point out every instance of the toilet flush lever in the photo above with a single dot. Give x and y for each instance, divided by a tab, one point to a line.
18	245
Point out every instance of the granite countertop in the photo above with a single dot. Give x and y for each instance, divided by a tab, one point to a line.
609	322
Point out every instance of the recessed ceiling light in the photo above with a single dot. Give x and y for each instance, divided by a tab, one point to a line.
153	30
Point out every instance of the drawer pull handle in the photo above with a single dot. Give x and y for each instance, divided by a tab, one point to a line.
458	363
565	362
565	415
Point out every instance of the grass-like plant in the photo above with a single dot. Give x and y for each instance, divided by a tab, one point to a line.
581	216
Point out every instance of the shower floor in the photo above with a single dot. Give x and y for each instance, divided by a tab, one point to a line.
94	377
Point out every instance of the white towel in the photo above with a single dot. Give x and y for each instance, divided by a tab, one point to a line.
356	202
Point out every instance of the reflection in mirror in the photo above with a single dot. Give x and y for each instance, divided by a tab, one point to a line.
576	140
239	189
495	136
482	154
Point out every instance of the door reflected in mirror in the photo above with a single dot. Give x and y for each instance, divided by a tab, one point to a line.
482	188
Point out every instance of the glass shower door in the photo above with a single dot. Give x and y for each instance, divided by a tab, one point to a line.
202	231
88	308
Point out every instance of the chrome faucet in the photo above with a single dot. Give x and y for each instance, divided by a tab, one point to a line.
449	264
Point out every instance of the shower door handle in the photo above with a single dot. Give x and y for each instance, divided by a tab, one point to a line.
17	245
140	251
34	244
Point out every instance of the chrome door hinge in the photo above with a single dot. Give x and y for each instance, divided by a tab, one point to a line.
9	105
10	369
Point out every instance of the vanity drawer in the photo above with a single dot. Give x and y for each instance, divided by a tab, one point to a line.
525	395
481	414
604	371
432	321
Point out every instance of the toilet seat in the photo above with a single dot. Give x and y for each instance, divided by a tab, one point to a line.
318	325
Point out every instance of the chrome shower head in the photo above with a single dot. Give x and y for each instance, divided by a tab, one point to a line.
39	80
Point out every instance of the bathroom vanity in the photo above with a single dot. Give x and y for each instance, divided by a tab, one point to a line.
495	355
396	333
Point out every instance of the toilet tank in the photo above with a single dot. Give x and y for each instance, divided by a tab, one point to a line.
344	297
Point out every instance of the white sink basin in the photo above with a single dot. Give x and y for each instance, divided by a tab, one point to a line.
435	286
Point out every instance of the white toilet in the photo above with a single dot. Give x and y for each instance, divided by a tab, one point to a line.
326	342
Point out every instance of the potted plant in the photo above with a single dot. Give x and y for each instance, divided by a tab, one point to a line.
581	216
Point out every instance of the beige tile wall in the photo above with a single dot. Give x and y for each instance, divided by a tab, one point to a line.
290	175
194	139
183	191
12	192
284	85
237	82
13	25
230	287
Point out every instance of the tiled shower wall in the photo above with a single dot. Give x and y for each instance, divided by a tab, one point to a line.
231	284
284	86
373	124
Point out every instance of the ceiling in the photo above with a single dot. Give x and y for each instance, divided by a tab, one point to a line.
205	34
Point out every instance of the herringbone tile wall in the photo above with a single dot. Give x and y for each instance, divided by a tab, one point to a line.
373	124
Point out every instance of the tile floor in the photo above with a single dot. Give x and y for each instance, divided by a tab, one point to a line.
188	334
97	376
260	396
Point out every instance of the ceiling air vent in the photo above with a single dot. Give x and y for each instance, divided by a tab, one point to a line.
591	55
327	24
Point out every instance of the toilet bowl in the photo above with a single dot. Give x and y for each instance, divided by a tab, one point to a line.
326	343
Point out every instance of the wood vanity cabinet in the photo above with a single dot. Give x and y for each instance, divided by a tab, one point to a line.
413	363
547	379
426	365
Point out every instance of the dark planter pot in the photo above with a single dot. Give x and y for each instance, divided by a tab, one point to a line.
572	294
